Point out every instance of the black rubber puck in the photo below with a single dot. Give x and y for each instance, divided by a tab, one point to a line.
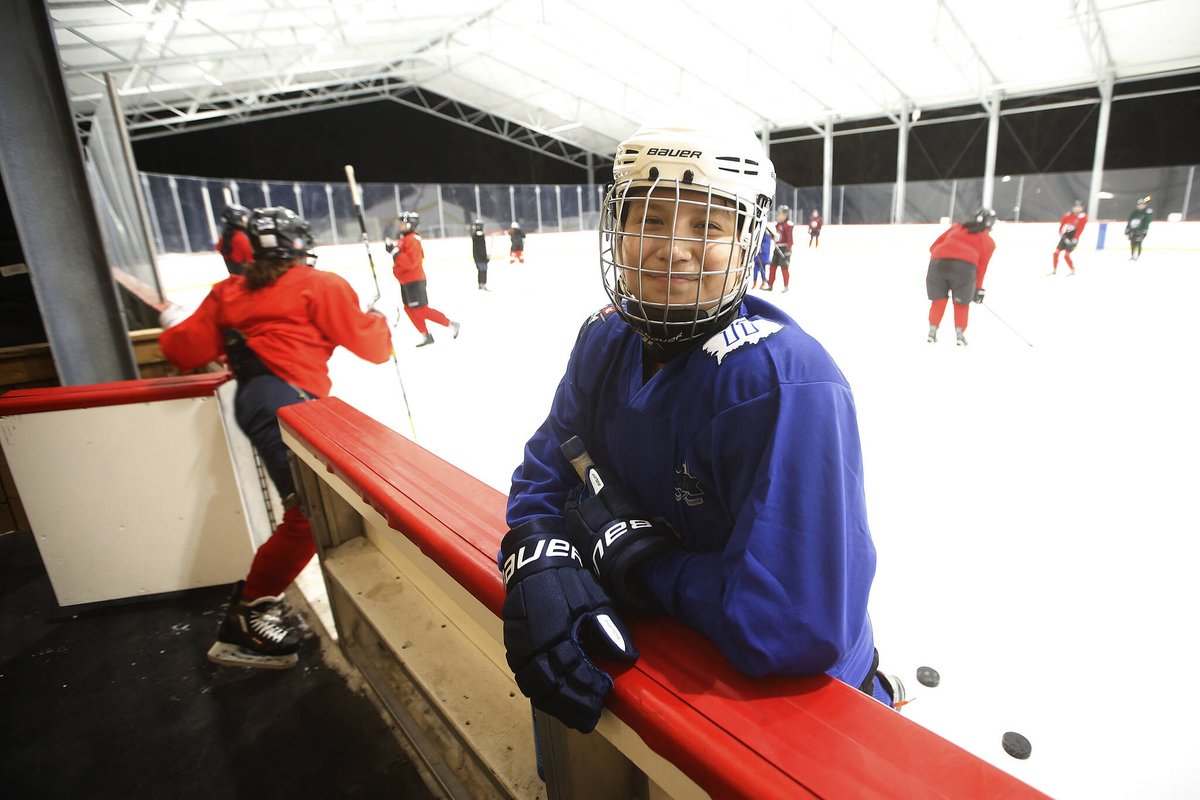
928	676
1016	745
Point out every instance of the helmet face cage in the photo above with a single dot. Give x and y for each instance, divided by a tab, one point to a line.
279	233
692	309
412	218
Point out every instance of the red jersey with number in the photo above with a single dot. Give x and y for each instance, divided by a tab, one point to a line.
408	259
784	234
293	325
1073	223
959	243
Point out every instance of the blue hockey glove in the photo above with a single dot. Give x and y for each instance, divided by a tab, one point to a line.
553	608
618	536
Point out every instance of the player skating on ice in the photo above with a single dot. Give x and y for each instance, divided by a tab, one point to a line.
408	265
958	260
783	247
815	223
277	324
233	245
727	488
516	238
1070	228
1138	226
480	253
762	258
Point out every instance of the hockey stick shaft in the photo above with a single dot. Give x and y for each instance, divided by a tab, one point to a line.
575	452
356	198
362	224
1010	327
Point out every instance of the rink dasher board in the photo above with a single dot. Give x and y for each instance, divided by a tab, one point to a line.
136	499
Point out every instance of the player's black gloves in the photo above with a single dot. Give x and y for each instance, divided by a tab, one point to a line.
553	608
389	245
979	295
618	536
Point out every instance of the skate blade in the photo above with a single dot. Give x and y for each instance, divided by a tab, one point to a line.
234	656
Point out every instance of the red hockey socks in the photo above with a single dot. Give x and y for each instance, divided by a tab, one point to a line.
936	310
960	316
280	559
420	316
1070	263
1056	252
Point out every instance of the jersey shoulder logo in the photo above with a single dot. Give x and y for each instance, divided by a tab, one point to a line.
687	487
740	332
602	314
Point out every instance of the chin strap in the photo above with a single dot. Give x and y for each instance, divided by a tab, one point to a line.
662	352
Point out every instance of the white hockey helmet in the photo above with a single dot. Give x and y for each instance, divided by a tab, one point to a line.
717	168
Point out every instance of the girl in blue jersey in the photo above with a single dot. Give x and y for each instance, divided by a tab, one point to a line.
728	484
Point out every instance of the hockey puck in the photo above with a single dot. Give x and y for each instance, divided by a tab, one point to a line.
928	676
1016	745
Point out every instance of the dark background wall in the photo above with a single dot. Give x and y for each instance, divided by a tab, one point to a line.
388	142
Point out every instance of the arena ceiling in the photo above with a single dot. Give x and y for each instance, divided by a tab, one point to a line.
572	78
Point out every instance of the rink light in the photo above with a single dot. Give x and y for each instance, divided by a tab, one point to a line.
1104	195
1006	179
570	126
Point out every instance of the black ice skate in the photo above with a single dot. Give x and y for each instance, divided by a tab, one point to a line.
932	333
425	339
959	338
253	634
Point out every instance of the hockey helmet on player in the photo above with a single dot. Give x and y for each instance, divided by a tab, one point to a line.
236	215
983	220
1078	204
1143	201
410	218
784	211
280	234
672	285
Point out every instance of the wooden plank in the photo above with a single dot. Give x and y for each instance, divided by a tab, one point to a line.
461	711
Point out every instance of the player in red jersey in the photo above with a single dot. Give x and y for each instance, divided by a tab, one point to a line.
408	260
234	245
1070	228
783	247
958	260
277	324
815	223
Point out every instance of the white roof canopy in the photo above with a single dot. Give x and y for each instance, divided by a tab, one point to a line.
577	76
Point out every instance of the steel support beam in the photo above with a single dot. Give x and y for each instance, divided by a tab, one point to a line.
42	164
827	171
1106	96
901	163
989	159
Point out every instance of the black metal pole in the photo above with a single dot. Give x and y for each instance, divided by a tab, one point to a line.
42	165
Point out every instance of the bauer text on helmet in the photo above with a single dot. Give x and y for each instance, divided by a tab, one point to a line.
680	225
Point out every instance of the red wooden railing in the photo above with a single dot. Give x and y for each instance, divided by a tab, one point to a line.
733	735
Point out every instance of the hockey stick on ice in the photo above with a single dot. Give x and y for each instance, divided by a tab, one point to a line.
356	198
1010	327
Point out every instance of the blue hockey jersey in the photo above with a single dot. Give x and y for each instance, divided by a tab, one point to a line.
748	445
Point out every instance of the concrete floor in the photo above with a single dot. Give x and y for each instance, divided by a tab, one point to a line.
118	700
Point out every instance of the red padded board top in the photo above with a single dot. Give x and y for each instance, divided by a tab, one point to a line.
733	735
117	393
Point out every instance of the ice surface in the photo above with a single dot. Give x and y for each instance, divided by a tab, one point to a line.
1032	506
